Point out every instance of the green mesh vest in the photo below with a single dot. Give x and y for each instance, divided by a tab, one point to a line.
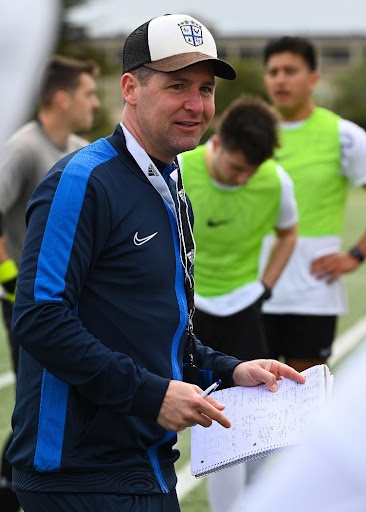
311	156
229	224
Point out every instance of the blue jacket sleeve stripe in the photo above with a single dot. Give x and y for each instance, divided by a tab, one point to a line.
49	285
56	245
66	204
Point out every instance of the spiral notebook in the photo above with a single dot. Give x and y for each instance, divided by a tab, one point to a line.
262	422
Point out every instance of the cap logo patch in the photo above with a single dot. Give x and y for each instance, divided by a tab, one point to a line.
192	32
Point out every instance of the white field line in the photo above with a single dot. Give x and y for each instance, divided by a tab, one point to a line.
6	379
186	482
347	341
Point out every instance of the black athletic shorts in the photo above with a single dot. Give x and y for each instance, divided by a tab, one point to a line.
299	336
60	502
241	335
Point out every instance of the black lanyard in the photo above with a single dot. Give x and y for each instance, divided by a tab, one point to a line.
187	250
186	240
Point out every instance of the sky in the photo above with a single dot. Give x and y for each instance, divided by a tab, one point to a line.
229	17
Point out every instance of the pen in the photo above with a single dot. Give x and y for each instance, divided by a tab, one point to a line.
211	388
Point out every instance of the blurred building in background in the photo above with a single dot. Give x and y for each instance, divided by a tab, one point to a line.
336	51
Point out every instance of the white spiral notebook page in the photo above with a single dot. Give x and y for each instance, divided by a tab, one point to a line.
262	422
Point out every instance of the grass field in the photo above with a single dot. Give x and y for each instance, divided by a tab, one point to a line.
196	501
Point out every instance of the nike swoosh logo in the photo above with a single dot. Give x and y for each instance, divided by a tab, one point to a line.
141	241
214	224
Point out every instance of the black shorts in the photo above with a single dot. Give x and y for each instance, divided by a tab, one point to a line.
300	336
241	335
61	502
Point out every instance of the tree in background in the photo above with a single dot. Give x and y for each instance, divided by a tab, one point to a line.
73	41
249	81
349	99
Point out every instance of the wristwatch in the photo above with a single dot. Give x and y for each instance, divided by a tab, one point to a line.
357	254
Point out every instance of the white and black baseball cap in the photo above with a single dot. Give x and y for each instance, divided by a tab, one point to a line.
171	42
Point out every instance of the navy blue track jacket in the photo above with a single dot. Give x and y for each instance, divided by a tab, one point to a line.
102	320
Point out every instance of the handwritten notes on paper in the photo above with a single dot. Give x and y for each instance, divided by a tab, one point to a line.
262	422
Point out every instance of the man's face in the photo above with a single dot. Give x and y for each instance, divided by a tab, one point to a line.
83	102
174	110
230	167
289	83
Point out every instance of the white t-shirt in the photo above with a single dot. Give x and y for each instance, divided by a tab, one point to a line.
297	291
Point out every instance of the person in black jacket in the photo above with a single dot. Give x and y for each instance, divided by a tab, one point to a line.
109	367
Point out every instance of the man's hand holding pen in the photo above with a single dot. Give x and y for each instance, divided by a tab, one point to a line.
185	405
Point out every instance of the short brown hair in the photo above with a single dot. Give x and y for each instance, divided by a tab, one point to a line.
64	73
143	75
250	125
293	44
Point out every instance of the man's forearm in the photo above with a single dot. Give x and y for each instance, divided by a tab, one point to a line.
280	254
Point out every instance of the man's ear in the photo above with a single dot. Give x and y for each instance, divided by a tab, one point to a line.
314	79
129	88
215	141
62	99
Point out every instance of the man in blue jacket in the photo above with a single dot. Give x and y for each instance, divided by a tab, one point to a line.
105	297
